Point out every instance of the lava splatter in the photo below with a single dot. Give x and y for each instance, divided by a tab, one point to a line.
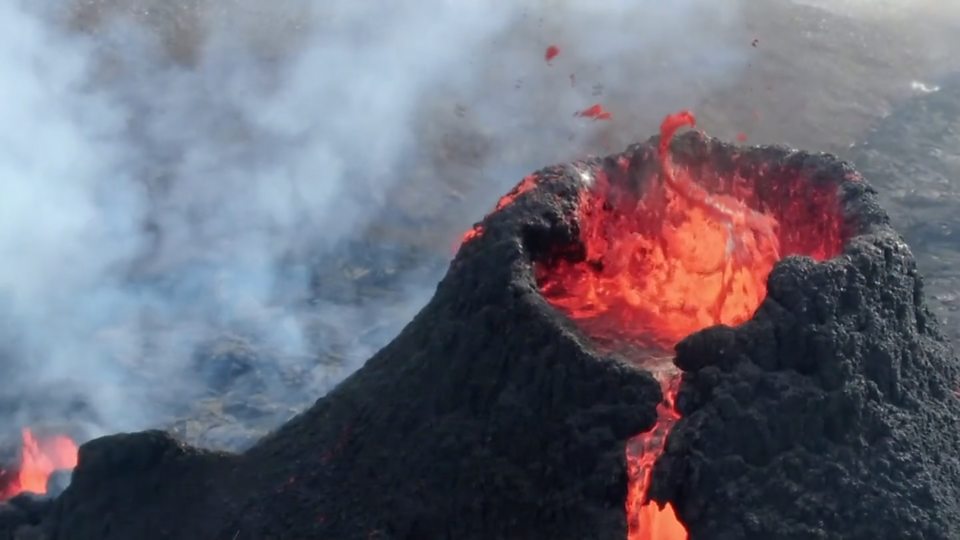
596	112
528	183
552	52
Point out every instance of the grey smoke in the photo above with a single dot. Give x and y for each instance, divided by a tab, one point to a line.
172	172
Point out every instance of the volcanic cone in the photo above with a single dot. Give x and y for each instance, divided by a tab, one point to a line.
533	396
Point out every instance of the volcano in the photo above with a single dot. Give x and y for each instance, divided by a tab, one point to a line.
687	339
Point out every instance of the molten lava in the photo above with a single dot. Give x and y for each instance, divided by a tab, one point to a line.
39	458
552	52
682	253
595	111
664	265
528	183
646	520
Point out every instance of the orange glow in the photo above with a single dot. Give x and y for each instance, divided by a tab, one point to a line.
596	111
529	182
659	268
645	519
474	232
685	251
552	52
655	523
39	458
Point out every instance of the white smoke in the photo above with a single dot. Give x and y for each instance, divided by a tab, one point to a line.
171	171
69	216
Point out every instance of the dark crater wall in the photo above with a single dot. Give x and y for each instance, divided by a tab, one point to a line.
831	414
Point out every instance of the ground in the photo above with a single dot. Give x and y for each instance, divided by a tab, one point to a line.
815	80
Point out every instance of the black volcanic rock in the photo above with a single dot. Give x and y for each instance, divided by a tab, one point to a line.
491	416
21	516
831	414
12	519
122	488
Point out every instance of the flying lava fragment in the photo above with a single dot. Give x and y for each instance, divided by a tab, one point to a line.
552	52
596	111
40	457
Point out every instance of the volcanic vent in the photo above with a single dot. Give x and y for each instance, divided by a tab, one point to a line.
665	250
533	397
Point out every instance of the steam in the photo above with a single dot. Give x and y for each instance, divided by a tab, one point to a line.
172	173
182	178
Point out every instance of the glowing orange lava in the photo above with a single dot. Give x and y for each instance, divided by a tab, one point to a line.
552	52
664	265
595	111
529	182
647	520
682	253
39	458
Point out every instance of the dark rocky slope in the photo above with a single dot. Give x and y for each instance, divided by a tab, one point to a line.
832	414
487	417
491	416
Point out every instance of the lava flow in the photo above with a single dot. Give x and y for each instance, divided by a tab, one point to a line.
647	521
39	458
682	254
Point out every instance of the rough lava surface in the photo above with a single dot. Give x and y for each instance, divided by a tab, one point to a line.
830	414
833	412
489	416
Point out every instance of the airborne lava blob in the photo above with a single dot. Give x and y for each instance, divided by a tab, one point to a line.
39	458
678	254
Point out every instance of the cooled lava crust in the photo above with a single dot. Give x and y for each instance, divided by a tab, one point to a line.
833	412
829	414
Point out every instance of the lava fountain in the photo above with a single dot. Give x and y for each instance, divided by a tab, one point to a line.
40	457
671	253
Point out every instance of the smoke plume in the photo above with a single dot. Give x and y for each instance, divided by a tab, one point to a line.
175	173
180	177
